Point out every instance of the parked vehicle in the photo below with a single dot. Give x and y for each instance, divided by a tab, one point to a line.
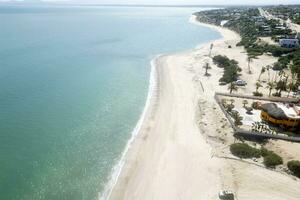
226	195
297	93
240	83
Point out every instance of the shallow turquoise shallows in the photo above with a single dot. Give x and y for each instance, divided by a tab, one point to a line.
73	84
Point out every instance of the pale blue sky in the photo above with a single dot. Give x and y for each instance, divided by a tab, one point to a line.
172	2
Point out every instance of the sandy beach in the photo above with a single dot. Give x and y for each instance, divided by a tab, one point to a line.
181	150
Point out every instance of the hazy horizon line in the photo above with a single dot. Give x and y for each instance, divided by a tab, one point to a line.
138	5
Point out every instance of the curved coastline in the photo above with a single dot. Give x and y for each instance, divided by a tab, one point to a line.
149	109
175	152
151	101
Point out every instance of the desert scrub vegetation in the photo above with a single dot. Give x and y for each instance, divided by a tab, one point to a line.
243	150
294	167
231	68
271	159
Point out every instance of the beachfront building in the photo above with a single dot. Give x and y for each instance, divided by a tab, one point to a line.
258	18
280	28
289	43
286	116
266	29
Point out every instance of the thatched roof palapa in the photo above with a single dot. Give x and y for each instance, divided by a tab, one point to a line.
274	111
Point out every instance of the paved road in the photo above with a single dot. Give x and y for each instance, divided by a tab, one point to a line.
268	16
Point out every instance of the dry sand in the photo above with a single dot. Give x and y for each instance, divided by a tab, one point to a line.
181	151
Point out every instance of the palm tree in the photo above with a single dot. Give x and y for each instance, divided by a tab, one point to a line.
229	108
263	70
275	77
280	86
232	101
294	69
206	67
245	102
292	86
281	75
224	102
249	110
271	86
268	67
237	119
250	60
232	87
257	85
210	49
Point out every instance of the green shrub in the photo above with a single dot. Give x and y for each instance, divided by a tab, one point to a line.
276	94
294	166
271	159
221	61
264	152
278	66
243	150
278	51
257	94
255	105
231	68
288	133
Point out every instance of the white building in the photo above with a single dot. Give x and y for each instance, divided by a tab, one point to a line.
289	43
258	18
280	28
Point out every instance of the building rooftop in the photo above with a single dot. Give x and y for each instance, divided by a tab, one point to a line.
281	111
290	111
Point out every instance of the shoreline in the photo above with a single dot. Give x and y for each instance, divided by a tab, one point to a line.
150	100
148	108
153	101
221	30
181	148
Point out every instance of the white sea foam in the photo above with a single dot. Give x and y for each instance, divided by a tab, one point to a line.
116	171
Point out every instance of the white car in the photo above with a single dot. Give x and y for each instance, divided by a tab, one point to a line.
226	195
240	83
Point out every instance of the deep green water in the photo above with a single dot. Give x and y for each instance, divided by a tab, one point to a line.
73	83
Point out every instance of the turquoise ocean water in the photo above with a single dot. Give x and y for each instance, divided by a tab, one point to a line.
73	84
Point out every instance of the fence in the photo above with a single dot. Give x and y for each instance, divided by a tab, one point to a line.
250	134
272	99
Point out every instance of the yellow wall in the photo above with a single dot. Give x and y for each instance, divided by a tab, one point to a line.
289	123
